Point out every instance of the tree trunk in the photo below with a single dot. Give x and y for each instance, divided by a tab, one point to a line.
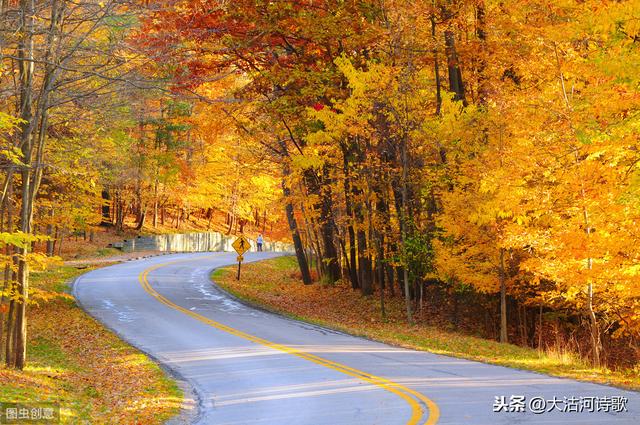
209	218
51	240
436	62
21	312
232	220
7	207
155	214
351	259
106	209
380	269
483	90
503	300
141	218
403	226
390	279
455	311
540	328
60	240
456	84
320	186
26	72
596	342
364	265
330	254
119	212
312	240
10	341
293	225
295	235
155	202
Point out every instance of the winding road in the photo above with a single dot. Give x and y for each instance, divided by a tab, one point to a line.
247	366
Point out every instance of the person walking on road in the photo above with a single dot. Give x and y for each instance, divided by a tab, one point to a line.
260	241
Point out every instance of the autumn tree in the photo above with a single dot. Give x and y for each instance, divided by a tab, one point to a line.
56	51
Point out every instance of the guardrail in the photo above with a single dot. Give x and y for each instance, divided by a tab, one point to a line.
193	242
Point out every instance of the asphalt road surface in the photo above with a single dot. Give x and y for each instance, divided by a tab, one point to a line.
249	367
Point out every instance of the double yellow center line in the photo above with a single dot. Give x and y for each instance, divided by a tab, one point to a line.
413	398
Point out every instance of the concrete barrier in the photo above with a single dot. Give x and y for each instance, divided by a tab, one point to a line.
194	242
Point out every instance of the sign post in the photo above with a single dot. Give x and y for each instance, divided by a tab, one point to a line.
241	245
239	258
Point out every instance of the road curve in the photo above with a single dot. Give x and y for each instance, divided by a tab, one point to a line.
250	367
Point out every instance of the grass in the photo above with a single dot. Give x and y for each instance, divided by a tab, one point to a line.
107	252
75	362
274	285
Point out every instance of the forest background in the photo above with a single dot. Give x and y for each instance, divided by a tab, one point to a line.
478	159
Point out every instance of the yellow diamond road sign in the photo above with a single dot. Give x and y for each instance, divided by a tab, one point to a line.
241	245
